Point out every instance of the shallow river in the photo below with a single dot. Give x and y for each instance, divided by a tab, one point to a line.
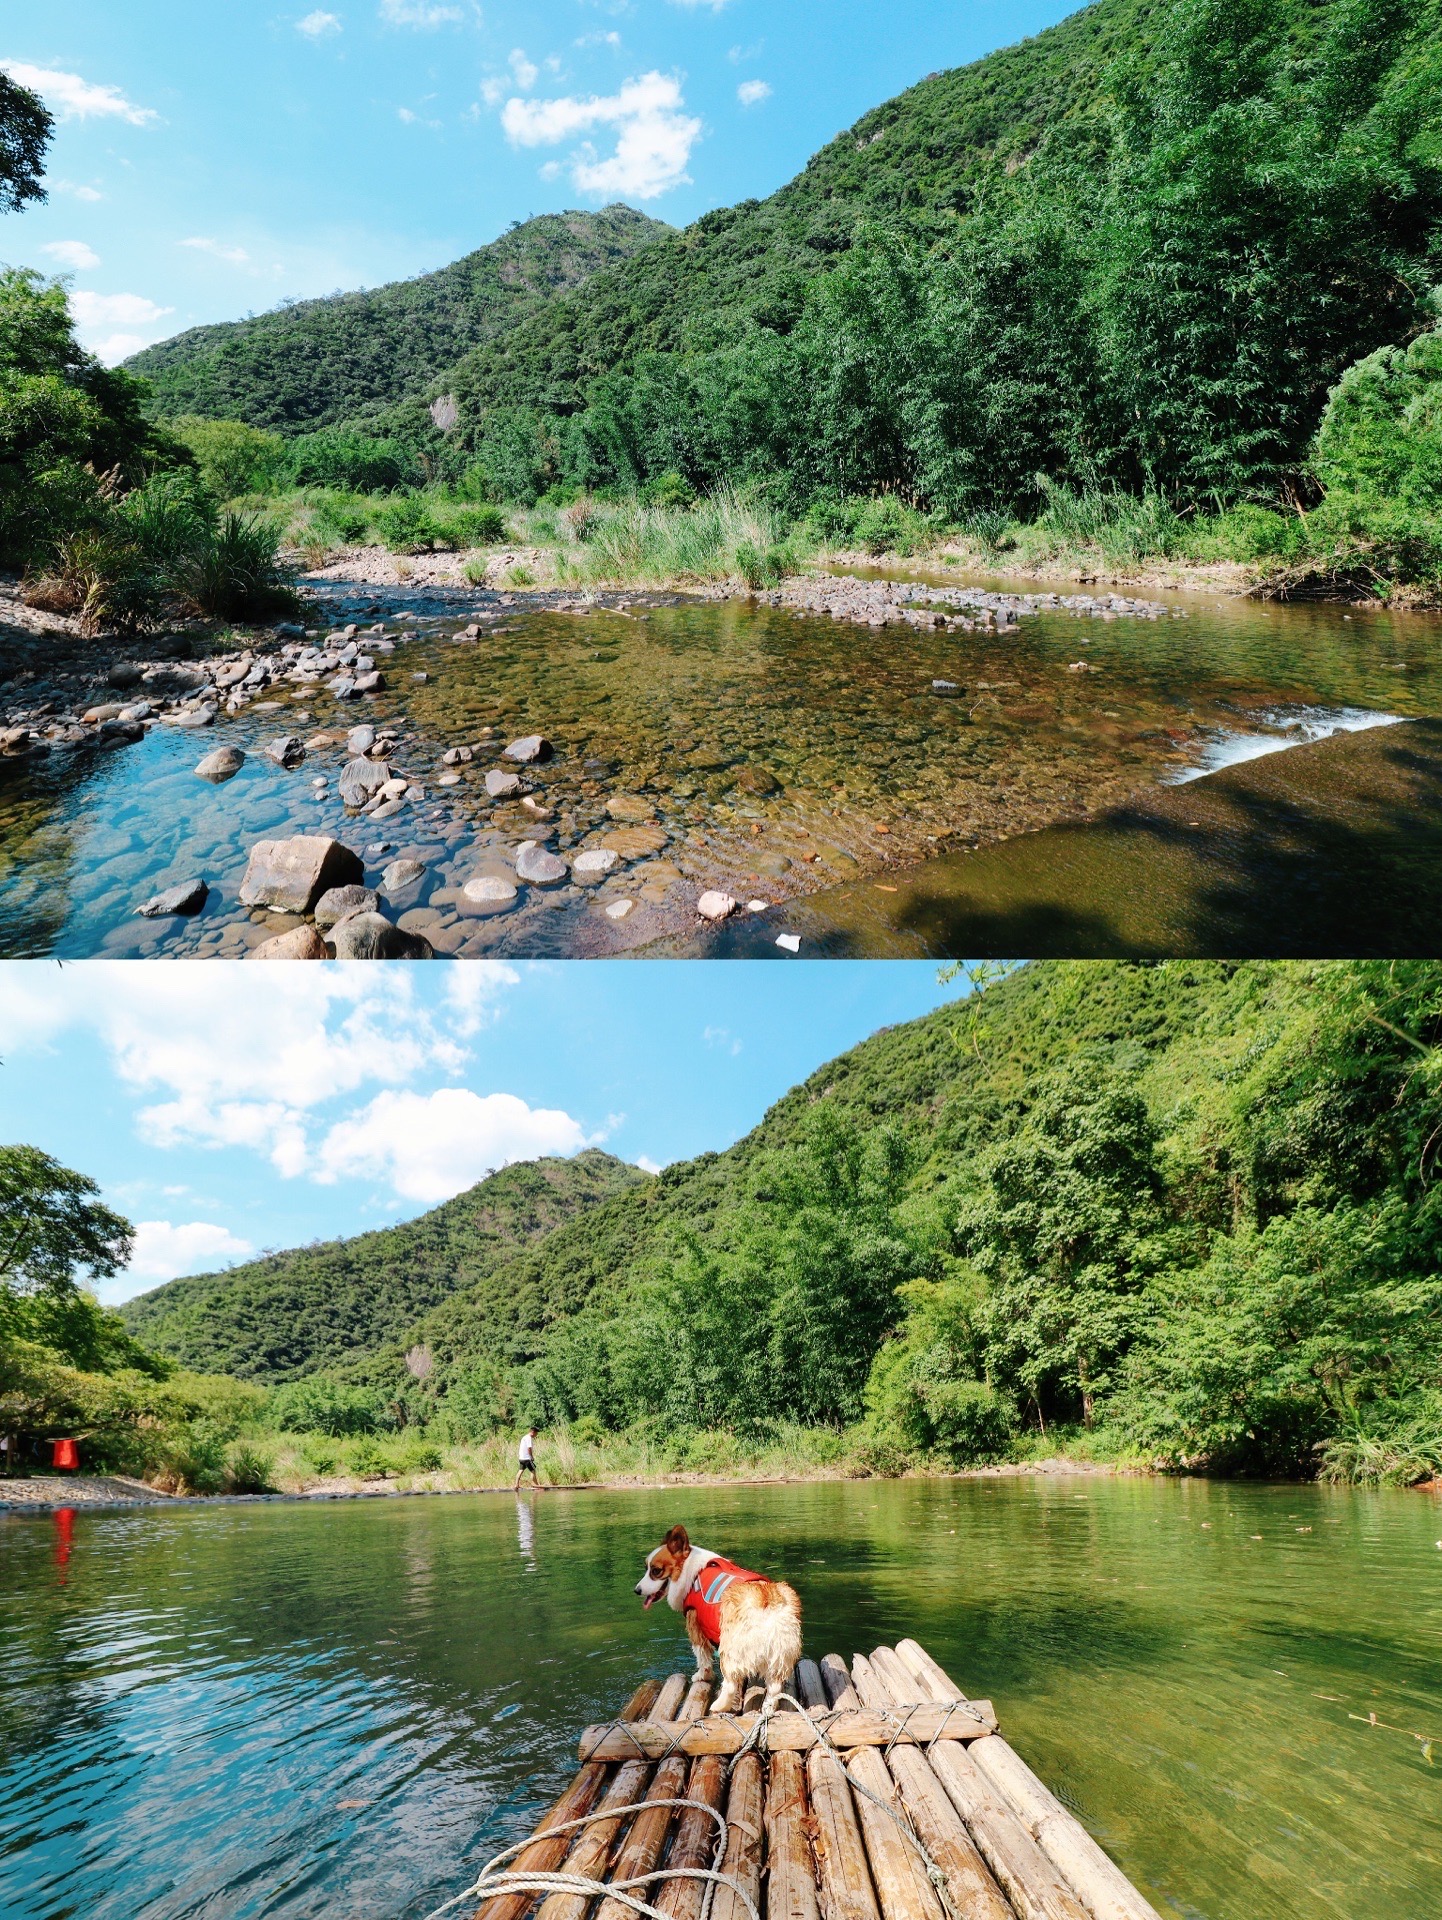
743	747
342	1710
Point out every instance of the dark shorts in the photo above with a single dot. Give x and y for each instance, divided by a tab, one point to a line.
526	1466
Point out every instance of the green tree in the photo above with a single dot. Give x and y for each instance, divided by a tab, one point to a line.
52	1226
26	125
1065	1228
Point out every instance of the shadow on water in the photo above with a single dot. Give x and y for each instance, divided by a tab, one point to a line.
1323	849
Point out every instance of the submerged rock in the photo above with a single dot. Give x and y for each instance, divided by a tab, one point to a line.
715	905
591	867
370	936
360	780
531	749
537	867
286	751
186	898
338	903
501	785
401	874
487	893
221	764
291	875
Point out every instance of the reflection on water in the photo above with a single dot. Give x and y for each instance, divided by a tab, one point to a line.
721	745
336	1711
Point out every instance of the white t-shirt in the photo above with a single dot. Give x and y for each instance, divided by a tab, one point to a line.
528	1448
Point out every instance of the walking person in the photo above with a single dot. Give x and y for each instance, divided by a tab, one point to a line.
527	1458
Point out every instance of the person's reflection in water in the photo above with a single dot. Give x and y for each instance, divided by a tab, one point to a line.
526	1532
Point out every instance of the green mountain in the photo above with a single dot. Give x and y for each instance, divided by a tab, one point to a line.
1191	1205
922	160
316	362
324	1306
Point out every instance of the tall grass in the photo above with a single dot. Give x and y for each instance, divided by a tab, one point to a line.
726	537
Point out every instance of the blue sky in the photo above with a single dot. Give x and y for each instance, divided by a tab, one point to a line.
212	160
227	1108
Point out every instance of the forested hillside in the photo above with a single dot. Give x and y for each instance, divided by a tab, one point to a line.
322	1306
316	362
1135	253
1190	1208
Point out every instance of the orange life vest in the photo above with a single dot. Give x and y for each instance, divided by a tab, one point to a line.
704	1596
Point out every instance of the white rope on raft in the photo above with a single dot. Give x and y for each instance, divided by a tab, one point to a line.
490	1882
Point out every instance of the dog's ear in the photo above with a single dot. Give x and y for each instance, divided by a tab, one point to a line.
678	1541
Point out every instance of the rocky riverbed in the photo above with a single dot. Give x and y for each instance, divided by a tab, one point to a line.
429	769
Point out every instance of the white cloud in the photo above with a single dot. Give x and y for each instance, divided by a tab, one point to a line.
653	142
72	98
722	1037
115	309
317	25
693	6
187	1037
164	1249
430	1146
405	115
647	1164
606	37
72	253
417	13
111	348
236	255
96	313
526	71
752	92
79	192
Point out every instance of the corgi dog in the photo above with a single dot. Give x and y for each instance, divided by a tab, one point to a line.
752	1623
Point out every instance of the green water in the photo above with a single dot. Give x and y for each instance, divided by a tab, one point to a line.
341	1710
752	749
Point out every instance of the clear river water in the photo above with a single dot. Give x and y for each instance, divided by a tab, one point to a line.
767	753
341	1710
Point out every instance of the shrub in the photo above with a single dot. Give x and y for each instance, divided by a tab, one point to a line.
355	462
318	1405
476	526
191	1459
405	524
367	1460
337	522
475	572
247	1470
668	490
232	458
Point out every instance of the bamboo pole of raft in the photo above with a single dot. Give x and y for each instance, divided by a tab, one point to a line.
592	1845
958	1801
788	1732
846	1890
744	1840
1101	1883
642	1849
695	1840
898	1873
790	1869
969	1870
544	1854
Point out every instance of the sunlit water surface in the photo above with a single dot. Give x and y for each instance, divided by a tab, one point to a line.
754	750
342	1710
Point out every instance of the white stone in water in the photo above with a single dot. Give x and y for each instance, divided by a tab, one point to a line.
448	780
757	906
790	941
595	860
490	891
537	867
715	905
618	909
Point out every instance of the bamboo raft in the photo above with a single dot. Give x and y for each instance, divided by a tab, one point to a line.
878	1792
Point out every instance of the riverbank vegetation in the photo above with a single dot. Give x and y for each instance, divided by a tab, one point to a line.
1181	1215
